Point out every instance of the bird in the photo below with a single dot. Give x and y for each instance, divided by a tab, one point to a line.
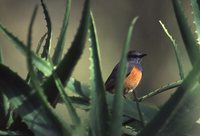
133	73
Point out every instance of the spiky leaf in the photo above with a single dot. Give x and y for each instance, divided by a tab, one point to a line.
39	63
196	17
1	56
67	102
99	109
176	50
117	111
47	45
61	40
66	66
27	104
80	89
188	37
180	111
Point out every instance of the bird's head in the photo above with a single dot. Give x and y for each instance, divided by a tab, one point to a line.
135	56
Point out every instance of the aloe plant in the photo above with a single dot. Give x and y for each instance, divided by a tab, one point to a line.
28	106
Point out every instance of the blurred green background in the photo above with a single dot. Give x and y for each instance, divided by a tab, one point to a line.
112	20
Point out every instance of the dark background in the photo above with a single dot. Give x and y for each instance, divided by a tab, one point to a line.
112	20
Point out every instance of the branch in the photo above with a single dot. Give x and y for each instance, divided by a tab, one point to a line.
161	89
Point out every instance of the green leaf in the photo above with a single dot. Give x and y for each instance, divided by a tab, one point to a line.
80	102
4	112
79	129
9	133
28	104
1	56
76	87
196	18
117	110
187	35
99	109
4	104
61	40
61	126
29	39
129	131
66	66
55	120
176	50
181	111
130	109
67	102
40	43
47	45
39	63
182	121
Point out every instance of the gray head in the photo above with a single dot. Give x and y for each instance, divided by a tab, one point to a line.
135	56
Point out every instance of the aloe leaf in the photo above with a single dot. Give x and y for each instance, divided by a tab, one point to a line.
66	66
117	110
29	39
27	104
47	45
4	112
182	110
1	56
40	43
196	18
129	131
182	121
175	111
99	109
67	102
39	91
55	120
79	128
61	40
30	104
161	89
9	133
76	87
80	102
188	38
176	50
39	63
130	109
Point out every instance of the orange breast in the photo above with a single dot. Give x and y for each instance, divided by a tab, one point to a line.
133	79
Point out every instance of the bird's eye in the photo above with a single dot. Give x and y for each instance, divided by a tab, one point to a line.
133	56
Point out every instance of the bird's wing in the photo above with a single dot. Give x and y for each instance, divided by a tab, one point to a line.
129	68
110	82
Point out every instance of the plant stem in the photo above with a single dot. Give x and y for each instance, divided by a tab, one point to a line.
161	89
138	108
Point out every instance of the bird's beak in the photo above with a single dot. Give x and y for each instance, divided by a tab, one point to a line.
141	56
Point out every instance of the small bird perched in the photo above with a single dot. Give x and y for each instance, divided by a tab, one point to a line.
133	73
